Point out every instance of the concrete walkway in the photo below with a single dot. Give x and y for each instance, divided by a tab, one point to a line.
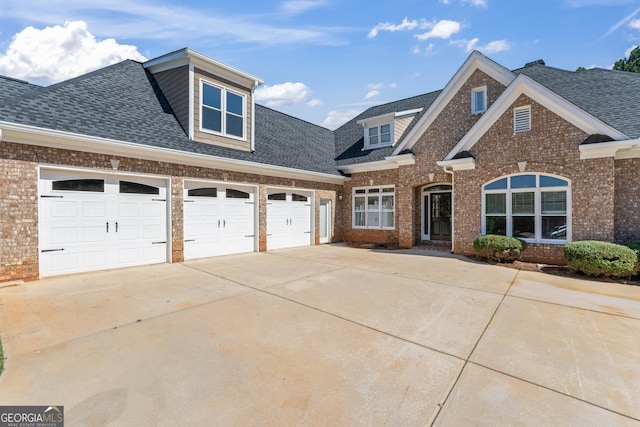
325	335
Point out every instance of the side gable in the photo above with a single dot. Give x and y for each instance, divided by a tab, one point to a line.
476	61
524	85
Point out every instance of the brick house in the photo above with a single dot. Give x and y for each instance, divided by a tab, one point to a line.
171	159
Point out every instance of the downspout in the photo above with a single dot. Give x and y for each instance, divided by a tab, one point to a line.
449	170
253	117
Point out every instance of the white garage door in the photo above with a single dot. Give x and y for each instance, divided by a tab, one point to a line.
288	219
95	222
218	220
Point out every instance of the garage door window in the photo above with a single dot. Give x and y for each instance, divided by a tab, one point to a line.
299	198
203	192
277	196
237	194
93	185
127	187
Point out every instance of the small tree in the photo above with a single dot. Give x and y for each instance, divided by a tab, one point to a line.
632	64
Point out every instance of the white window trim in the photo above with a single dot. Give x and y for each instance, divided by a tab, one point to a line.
474	91
368	146
366	206
517	110
223	106
537	207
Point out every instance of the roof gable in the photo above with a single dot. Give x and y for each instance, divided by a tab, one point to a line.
524	85
475	61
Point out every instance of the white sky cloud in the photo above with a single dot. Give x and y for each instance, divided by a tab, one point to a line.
58	53
494	46
371	94
620	23
277	95
635	24
335	119
479	3
442	30
405	25
315	103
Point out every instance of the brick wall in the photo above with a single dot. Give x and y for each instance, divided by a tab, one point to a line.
19	202
550	147
627	201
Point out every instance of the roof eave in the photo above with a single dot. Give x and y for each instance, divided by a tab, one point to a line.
390	162
31	135
625	149
468	163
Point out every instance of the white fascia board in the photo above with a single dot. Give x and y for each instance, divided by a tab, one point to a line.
467	163
624	149
387	117
390	162
524	85
475	61
189	56
30	135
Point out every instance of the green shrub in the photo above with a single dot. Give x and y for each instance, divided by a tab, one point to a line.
601	258
633	245
499	248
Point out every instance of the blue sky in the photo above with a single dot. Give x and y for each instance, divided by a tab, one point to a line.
322	60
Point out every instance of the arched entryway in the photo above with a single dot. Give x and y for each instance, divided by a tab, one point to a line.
436	212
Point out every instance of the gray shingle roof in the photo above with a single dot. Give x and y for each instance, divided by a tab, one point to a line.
123	102
612	96
13	88
349	138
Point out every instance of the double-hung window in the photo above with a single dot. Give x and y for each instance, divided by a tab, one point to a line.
374	208
222	111
479	100
378	136
533	207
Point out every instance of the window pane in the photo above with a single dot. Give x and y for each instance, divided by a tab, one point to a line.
524	227
554	202
373	219
359	219
387	202
478	97
438	188
387	219
373	131
277	196
385	137
500	184
523	181
554	227
373	140
203	192
358	204
373	202
128	187
95	185
549	181
211	96
385	129
237	194
496	204
234	103
522	203
496	225
298	198
234	125
211	119
388	190
374	190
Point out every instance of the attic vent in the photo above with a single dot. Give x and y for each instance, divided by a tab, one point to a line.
536	62
522	119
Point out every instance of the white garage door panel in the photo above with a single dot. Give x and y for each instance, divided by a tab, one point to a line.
288	220
94	229
220	223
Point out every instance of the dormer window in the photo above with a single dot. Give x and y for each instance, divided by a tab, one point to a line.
479	100
222	111
378	136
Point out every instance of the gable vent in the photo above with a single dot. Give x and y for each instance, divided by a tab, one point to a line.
522	119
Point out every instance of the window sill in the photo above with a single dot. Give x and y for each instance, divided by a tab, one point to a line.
544	241
374	228
224	135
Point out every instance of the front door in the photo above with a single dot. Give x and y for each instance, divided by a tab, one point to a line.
436	212
440	224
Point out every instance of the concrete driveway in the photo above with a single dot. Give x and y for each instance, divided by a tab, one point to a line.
325	335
